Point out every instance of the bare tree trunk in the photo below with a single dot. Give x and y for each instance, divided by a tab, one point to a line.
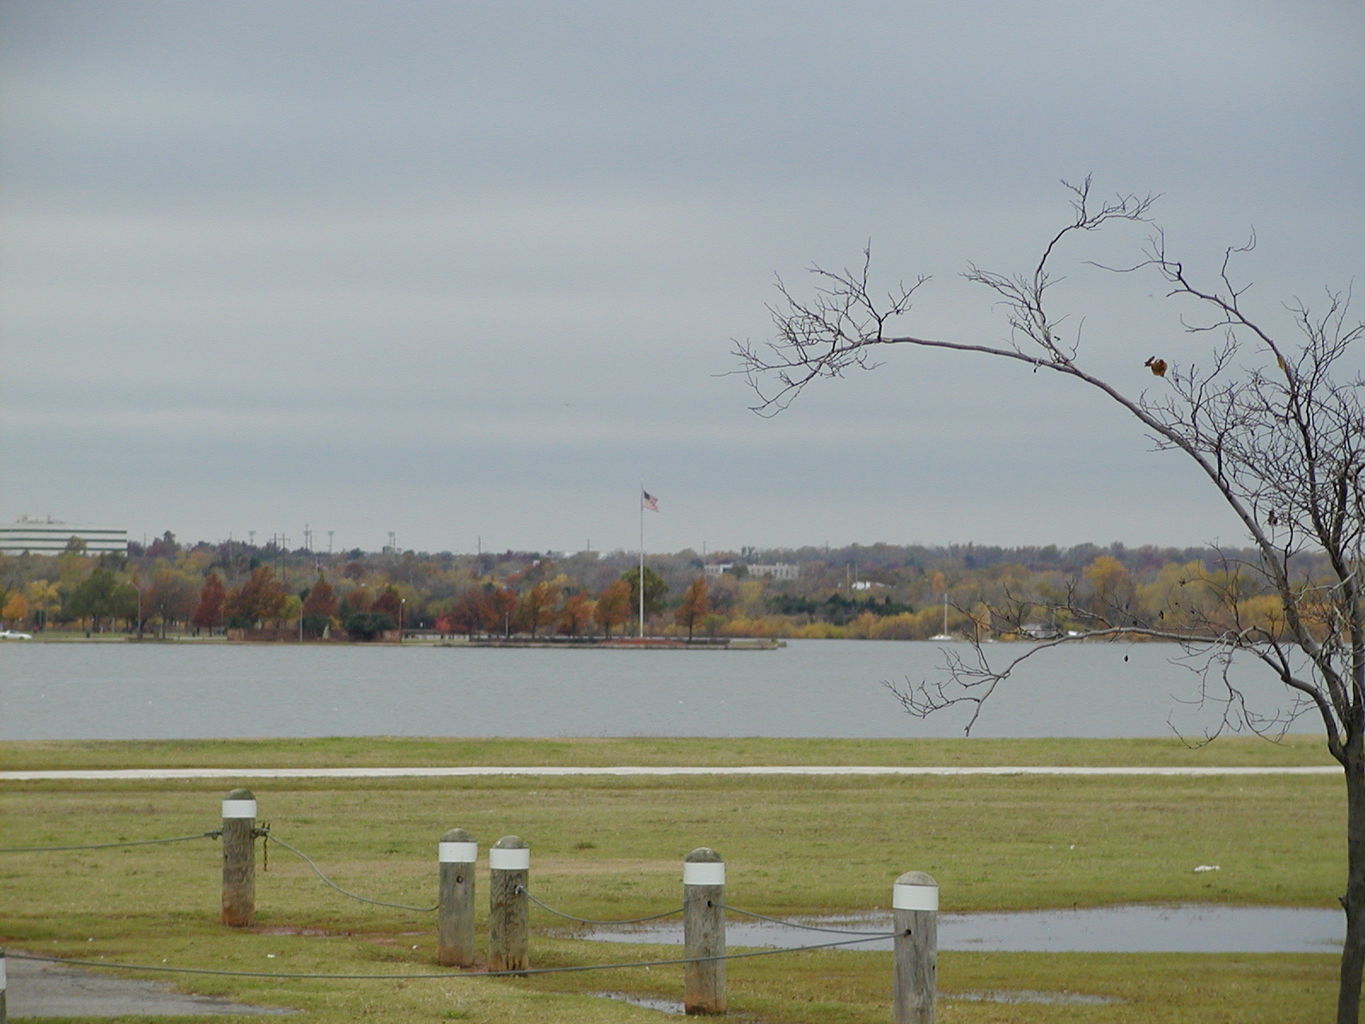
1353	952
1278	440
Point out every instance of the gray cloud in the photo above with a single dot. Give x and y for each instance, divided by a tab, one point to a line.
471	270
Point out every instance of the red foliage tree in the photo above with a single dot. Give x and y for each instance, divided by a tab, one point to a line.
388	603
260	599
212	596
499	608
319	607
465	614
576	616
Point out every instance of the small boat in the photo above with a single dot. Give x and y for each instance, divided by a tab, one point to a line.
945	635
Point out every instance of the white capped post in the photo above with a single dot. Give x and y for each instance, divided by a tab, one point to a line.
457	853
914	902
509	861
704	932
239	859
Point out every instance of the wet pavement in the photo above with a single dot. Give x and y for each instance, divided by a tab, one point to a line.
37	988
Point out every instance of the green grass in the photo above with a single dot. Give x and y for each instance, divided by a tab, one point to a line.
612	848
1296	749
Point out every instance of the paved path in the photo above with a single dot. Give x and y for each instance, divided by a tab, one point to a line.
642	770
40	989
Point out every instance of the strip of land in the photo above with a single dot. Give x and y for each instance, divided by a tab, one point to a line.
435	771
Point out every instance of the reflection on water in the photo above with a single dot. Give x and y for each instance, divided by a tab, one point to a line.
814	688
1176	928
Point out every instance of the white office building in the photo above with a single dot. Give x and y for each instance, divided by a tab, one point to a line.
50	537
777	571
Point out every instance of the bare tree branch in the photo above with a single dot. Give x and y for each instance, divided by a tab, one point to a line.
1272	423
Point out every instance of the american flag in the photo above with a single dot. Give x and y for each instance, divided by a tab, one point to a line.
648	501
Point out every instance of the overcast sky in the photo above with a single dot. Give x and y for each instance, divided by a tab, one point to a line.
471	272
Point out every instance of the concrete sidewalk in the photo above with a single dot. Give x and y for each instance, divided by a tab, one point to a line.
37	988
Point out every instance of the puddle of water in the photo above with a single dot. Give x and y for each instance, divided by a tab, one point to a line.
1176	928
673	1006
1004	996
1024	995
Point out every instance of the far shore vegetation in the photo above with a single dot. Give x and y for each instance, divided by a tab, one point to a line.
877	591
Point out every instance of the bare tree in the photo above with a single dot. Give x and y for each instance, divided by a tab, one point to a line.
1277	428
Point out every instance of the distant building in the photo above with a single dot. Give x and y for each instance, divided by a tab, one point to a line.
777	571
50	537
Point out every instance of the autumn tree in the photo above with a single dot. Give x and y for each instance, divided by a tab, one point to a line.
499	610
695	604
212	598
390	603
465	614
319	607
1112	596
259	599
1270	417
170	598
536	606
575	615
357	599
15	609
44	598
613	606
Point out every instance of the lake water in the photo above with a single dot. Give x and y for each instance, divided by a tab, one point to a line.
812	688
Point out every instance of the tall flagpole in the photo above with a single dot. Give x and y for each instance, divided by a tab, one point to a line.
641	580
647	501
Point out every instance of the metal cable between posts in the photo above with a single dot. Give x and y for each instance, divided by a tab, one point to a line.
271	837
805	927
427	975
217	833
521	890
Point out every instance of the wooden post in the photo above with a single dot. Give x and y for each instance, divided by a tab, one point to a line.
914	901
239	858
509	862
457	853
704	931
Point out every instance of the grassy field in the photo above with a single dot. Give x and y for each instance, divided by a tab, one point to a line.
1295	749
612	848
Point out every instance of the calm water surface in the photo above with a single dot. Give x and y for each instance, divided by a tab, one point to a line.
813	688
1174	928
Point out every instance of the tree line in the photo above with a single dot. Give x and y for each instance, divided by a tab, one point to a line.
880	591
